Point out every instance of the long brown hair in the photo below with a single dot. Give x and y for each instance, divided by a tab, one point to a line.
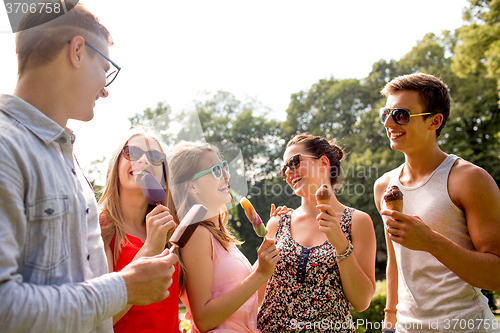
184	164
111	212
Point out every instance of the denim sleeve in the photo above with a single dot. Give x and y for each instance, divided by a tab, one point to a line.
76	306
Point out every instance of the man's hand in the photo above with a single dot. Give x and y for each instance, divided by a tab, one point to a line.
148	278
408	230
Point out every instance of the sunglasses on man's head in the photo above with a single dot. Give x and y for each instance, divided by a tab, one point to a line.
399	115
216	170
293	163
133	153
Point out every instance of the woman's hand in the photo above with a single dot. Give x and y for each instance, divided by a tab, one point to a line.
158	223
280	210
268	257
330	225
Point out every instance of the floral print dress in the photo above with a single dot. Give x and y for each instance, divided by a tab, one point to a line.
305	292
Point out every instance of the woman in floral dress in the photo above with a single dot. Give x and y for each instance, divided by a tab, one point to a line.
327	251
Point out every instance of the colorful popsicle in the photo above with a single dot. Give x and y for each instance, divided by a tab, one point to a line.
253	217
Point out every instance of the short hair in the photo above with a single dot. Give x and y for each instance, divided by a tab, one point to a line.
434	94
319	146
38	43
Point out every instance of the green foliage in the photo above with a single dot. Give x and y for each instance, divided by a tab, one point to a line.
369	320
479	48
347	110
493	299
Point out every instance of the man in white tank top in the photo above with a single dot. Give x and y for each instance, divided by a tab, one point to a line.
444	247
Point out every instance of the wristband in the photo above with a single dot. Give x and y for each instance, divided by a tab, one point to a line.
389	330
390	310
344	255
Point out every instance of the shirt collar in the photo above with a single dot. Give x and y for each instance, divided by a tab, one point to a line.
33	119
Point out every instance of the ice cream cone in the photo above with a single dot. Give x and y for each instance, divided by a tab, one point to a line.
323	195
393	198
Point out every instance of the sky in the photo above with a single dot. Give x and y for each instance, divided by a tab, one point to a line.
172	50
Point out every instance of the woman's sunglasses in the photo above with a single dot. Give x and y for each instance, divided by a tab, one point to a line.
293	163
399	115
133	153
216	170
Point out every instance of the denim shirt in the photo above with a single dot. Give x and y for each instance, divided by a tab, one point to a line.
53	271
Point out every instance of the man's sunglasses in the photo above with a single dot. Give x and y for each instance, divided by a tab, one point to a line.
293	163
399	115
133	153
216	170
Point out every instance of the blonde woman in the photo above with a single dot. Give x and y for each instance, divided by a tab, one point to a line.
218	285
131	228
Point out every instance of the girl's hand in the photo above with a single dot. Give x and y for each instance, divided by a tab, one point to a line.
330	225
268	257
280	210
158	223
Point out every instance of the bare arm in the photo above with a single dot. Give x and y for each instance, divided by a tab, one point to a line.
357	272
391	268
210	312
472	189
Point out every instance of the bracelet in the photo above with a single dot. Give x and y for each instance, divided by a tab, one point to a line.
390	310
389	330
344	255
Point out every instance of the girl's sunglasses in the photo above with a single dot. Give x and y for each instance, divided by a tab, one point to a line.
399	115
133	153
293	163
216	170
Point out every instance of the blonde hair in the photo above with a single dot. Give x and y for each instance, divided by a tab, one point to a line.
111	211
184	164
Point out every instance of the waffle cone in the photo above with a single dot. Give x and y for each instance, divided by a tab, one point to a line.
395	205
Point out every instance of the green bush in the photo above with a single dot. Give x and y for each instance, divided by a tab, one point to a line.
370	320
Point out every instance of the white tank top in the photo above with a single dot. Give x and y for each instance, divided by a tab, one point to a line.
430	295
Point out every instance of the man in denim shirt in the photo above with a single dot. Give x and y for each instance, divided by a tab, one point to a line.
53	270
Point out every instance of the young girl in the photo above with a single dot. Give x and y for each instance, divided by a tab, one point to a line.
132	229
218	286
327	251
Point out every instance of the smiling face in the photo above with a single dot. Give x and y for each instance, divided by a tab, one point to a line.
212	193
131	172
92	80
310	174
414	135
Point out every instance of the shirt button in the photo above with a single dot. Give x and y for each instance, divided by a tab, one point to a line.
87	211
73	171
88	257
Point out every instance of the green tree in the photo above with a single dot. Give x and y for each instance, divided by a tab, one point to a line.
478	52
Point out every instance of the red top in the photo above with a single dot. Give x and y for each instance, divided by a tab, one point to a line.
156	317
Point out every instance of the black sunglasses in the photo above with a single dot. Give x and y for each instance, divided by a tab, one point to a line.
133	153
399	115
293	163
